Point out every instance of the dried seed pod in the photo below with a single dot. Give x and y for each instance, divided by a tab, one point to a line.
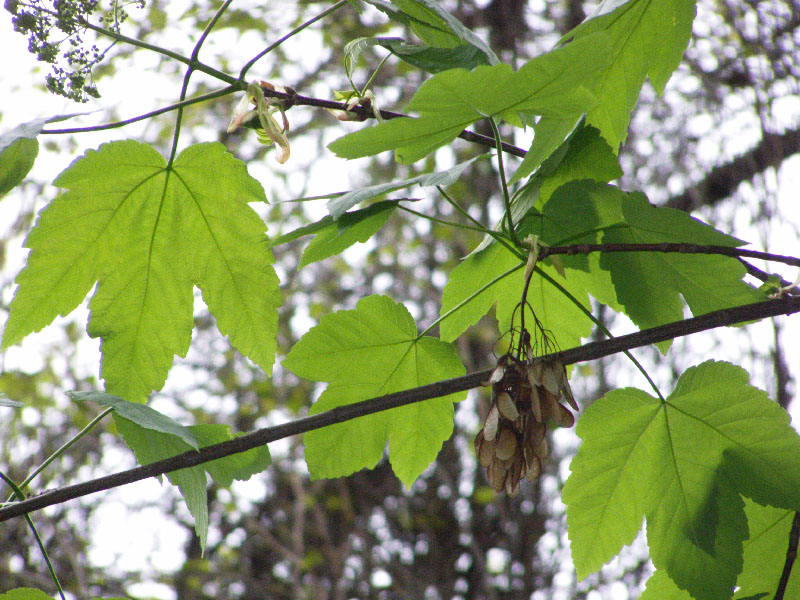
563	384
506	406
498	373
490	427
541	451
549	380
539	431
506	444
563	417
535	372
536	403
550	405
486	453
534	469
515	474
496	473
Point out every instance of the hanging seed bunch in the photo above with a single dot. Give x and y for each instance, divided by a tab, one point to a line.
525	396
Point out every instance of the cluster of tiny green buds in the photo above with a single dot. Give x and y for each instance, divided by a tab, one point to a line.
55	33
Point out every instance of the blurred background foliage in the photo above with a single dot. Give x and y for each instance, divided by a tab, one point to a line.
723	141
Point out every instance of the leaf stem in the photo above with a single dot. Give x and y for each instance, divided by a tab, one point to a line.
504	185
62	449
18	493
191	68
475	294
600	326
293	32
440	221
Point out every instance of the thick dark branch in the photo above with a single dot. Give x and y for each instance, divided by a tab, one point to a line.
791	555
591	351
721	182
365	112
670	247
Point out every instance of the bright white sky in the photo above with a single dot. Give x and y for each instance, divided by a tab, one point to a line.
134	542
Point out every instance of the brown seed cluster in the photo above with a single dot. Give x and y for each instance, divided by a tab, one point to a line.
525	395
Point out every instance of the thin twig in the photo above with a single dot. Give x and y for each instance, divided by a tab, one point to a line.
293	32
153	113
791	555
365	113
591	351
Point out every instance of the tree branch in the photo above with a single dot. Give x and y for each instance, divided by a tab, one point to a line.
722	181
364	111
591	351
680	248
791	555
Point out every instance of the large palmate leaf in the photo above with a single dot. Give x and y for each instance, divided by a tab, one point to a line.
554	84
566	322
146	232
366	352
648	38
680	464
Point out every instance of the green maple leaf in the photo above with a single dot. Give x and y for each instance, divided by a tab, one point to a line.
146	232
681	464
648	38
366	352
649	284
566	323
555	84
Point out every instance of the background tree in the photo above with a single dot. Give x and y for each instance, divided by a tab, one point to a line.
449	535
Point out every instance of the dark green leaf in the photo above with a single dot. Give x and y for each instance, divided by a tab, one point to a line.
141	415
352	227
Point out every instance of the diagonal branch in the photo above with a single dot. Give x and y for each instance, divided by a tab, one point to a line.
721	182
730	316
791	555
680	248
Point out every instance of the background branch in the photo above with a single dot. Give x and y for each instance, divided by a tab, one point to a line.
591	351
791	555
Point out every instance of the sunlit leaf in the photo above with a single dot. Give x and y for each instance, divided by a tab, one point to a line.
648	38
146	232
555	84
566	323
672	463
366	352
